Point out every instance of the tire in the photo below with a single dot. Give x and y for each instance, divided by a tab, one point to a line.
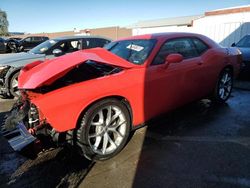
100	135
13	87
224	86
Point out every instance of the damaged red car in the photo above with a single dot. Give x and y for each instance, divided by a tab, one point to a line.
94	98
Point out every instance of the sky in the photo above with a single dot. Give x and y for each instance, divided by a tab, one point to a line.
34	16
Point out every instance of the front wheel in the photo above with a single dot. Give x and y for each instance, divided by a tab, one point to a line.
14	91
224	86
104	130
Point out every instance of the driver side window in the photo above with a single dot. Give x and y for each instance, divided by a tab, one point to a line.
28	39
70	46
181	46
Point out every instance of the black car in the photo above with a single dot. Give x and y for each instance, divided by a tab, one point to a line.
11	64
2	45
30	42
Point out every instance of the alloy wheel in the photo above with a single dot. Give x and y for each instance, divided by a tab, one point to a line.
107	130
225	85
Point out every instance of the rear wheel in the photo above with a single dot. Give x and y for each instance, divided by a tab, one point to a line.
104	130
224	86
14	91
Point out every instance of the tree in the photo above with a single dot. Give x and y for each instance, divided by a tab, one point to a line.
3	23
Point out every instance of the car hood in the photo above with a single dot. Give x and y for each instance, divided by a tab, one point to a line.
40	73
8	59
245	53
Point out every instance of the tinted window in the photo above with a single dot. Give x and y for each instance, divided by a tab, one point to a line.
244	42
94	42
200	46
69	46
182	46
36	39
27	39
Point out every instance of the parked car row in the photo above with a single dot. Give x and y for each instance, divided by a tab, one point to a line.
92	99
11	64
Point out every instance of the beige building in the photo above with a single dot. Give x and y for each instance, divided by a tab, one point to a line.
109	32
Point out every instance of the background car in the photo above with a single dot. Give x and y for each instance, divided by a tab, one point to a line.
30	42
8	45
244	46
93	98
11	64
2	45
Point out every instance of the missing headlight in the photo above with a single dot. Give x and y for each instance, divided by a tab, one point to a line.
3	71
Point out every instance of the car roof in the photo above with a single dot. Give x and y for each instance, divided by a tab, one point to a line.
163	35
80	37
36	36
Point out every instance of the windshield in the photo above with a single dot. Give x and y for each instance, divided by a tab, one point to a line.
134	51
43	47
244	42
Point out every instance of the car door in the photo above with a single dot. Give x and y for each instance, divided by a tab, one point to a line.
167	87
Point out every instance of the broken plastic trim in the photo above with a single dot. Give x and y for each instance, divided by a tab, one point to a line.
18	138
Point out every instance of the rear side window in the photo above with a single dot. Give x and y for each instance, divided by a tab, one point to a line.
27	39
94	42
36	39
200	46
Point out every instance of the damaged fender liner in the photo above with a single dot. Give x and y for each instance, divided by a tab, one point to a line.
40	73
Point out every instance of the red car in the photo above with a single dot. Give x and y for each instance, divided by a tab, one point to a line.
94	98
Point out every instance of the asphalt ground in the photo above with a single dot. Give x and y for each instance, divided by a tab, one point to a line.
198	145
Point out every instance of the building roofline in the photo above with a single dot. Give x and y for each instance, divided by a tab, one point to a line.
229	10
179	21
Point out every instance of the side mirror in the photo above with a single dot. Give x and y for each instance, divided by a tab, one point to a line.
233	45
57	52
173	58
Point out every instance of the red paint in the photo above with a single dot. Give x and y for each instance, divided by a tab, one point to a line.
47	72
150	90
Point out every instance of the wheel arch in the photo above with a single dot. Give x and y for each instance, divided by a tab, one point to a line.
230	67
9	75
122	99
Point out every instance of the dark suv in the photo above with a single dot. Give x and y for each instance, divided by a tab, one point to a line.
30	42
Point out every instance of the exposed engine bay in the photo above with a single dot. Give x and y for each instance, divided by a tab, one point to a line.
83	72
